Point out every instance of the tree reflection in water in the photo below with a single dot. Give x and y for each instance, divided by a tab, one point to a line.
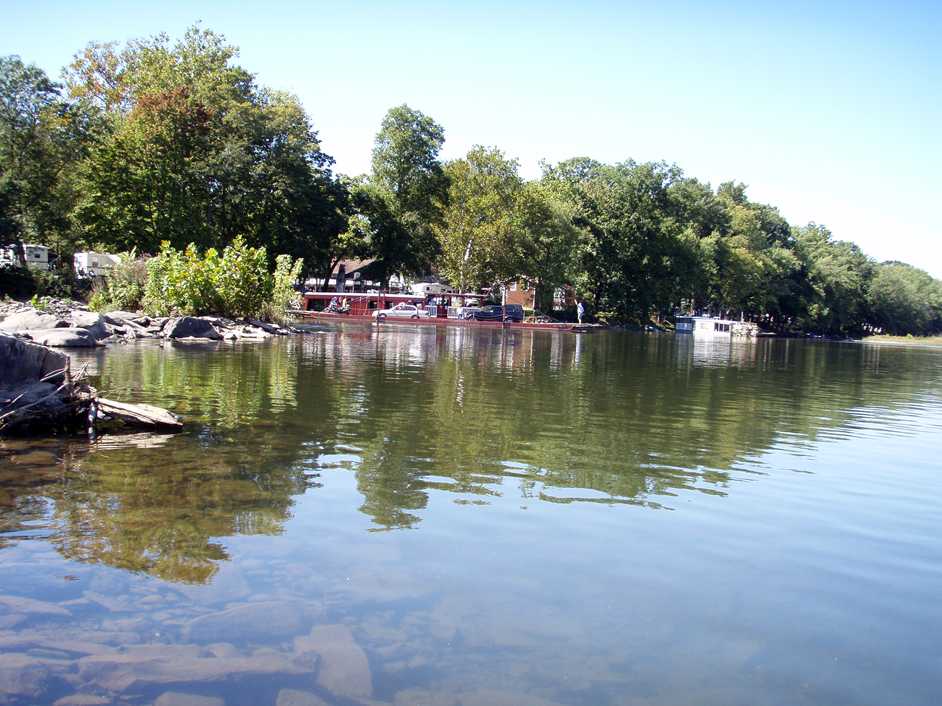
416	412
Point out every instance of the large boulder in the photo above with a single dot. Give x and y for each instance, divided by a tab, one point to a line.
32	319
119	318
90	321
190	327
21	361
63	337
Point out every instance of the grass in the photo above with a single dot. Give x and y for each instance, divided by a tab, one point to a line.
917	340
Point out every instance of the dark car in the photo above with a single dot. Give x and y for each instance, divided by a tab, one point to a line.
495	312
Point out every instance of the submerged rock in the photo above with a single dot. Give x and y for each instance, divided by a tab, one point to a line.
83	700
252	621
178	665
25	677
293	697
345	669
176	698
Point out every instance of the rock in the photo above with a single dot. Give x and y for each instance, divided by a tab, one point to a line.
345	670
134	670
63	337
190	327
222	649
423	697
176	698
252	621
82	700
23	677
31	606
495	697
119	318
24	361
267	327
31	319
91	322
293	697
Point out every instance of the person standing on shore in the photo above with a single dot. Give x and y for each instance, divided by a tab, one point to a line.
580	310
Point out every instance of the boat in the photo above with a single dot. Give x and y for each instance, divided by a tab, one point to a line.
712	326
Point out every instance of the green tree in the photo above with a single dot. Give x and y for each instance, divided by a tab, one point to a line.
406	166
904	300
479	243
197	152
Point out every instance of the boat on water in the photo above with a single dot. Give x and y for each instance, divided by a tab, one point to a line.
714	327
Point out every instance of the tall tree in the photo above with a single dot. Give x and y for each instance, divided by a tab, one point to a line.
197	152
406	166
477	231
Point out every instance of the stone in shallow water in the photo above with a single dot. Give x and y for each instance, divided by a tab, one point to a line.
293	697
176	698
82	700
253	621
24	677
177	665
424	697
30	606
345	670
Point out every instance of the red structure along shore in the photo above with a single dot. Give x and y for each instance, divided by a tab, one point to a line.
437	310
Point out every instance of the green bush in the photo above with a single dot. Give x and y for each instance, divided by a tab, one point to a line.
16	282
60	282
236	283
123	287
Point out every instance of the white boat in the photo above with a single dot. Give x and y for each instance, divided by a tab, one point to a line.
704	326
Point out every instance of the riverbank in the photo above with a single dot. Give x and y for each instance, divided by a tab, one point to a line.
905	340
64	323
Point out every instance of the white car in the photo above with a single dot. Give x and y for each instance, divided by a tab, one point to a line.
401	311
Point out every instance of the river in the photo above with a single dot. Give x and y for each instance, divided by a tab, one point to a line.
460	517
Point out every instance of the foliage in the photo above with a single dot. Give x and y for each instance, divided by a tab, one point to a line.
16	282
59	281
476	234
123	287
904	299
159	141
236	283
408	188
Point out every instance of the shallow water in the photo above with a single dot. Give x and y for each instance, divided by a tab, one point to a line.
458	516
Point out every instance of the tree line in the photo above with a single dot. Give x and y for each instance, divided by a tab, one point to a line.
160	141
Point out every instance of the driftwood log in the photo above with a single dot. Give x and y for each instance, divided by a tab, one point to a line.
39	394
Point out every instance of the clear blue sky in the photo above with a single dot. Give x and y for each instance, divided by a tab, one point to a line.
829	110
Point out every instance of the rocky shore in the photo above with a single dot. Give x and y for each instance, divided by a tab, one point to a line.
62	323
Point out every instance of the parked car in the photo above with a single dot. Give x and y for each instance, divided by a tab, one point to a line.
496	312
401	311
513	312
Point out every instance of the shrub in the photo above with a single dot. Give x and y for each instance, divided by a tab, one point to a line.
236	283
16	282
60	282
123	287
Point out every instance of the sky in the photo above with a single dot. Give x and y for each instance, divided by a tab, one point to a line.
830	111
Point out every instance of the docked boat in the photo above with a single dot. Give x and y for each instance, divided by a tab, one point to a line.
711	326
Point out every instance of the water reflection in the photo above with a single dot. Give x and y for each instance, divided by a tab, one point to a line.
614	419
654	504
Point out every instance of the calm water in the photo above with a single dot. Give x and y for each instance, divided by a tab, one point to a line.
460	517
